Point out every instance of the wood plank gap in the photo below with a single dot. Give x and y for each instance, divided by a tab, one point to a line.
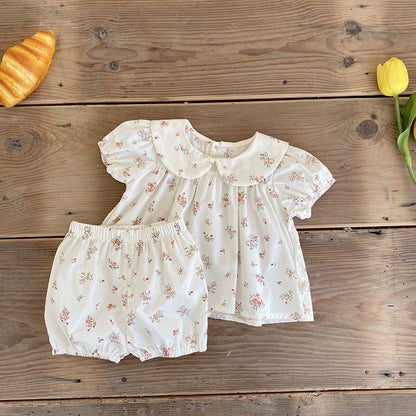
47	237
214	101
354	227
222	395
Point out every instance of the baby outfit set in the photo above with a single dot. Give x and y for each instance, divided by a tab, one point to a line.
204	229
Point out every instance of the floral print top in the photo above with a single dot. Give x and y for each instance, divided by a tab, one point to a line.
238	201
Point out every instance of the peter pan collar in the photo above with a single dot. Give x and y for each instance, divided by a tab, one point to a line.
175	147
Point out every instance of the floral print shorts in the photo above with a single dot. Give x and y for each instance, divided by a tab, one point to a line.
116	290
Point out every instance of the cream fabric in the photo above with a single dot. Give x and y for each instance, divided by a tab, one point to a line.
127	289
237	200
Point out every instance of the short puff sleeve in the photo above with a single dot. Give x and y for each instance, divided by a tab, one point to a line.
127	151
300	180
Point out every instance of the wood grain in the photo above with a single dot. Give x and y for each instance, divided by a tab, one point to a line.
51	170
158	50
347	403
149	59
363	337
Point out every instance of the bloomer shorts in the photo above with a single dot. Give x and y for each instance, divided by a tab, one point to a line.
116	290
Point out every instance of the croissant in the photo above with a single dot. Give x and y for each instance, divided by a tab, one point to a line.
24	66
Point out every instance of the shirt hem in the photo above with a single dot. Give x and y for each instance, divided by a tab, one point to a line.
266	319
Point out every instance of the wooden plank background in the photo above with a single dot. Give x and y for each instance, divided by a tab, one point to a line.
52	165
158	50
347	403
302	71
363	336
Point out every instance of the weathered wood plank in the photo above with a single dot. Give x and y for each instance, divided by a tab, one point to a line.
346	403
363	337
158	50
51	170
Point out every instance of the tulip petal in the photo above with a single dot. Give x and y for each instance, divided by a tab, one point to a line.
396	74
383	85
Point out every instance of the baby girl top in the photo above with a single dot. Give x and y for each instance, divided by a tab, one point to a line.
238	201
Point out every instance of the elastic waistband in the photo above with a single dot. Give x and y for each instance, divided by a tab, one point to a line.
133	233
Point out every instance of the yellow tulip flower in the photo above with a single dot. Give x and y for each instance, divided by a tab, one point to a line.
392	80
392	77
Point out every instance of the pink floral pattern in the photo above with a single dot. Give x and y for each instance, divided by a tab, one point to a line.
117	243
130	318
139	247
287	296
183	310
151	187
256	302
85	277
208	237
191	250
100	304
182	199
169	292
267	160
156	317
86	233
212	287
231	178
64	316
226	200
230	231
206	261
182	148
296	176
290	273
238	200
252	242
195	208
91	251
171	184
90	323
115	337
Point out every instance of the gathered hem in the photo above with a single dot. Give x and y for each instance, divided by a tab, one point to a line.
143	354
115	357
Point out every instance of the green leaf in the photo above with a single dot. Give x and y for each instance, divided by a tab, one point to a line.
408	112
403	142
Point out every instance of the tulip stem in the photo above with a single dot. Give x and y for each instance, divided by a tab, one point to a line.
398	116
